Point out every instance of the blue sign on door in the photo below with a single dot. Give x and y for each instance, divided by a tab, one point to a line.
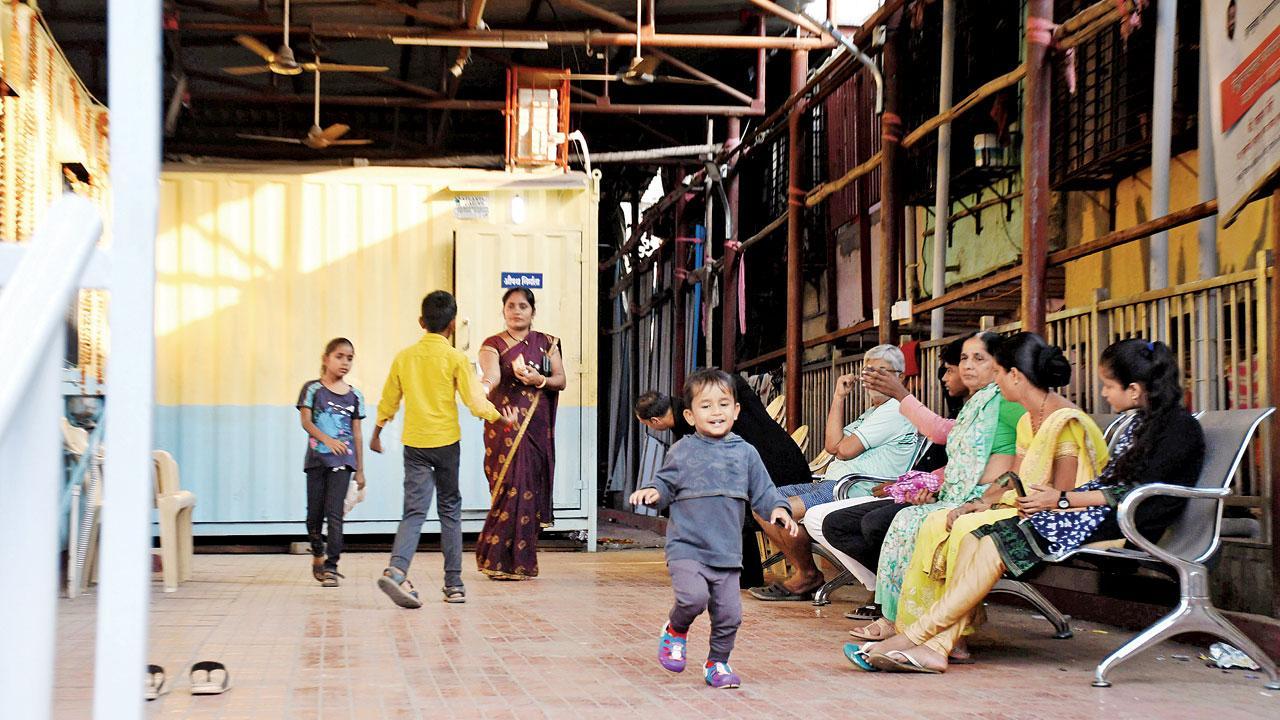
533	281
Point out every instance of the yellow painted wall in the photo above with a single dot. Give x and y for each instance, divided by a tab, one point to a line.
258	266
1124	270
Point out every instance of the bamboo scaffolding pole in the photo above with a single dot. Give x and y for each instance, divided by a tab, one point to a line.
970	101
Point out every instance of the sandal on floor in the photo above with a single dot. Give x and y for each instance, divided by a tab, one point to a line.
210	685
866	612
899	661
330	579
858	656
454	593
778	592
874	631
397	587
155	683
317	567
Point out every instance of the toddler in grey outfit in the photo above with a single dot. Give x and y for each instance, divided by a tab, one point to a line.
708	480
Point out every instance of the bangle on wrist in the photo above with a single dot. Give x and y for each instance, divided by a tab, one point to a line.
543	383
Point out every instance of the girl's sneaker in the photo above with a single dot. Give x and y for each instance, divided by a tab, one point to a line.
671	650
722	677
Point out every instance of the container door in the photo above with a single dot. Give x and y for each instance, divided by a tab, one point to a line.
487	261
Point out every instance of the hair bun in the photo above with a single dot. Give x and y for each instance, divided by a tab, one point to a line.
1052	367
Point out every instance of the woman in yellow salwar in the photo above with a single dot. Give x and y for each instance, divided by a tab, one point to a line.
1058	446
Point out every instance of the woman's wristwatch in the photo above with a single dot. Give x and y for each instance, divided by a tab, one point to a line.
1063	502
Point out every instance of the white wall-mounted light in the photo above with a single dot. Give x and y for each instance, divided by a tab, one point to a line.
518	212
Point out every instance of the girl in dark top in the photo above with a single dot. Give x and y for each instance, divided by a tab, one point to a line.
1163	444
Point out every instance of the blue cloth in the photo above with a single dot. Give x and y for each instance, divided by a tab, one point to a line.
708	483
332	414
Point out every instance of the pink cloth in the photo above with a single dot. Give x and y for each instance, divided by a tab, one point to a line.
912	483
929	423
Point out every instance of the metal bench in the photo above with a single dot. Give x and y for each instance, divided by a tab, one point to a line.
1187	545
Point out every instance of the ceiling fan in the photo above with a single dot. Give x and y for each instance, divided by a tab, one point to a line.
282	62
641	69
316	138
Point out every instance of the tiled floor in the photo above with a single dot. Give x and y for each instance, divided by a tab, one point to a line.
580	642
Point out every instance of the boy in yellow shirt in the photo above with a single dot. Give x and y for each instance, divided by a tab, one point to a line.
426	375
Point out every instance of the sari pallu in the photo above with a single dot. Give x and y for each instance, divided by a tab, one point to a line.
968	447
519	463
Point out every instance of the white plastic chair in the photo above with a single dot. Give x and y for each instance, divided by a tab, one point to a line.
175	506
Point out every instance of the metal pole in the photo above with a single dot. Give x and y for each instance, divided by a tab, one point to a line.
708	218
1207	231
795	217
942	195
678	294
1161	138
1035	164
1273	387
890	203
729	286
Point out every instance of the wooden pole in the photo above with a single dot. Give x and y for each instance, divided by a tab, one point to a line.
1035	165
891	236
729	286
795	218
1273	389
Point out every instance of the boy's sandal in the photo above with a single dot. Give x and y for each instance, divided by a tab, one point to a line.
155	683
454	593
874	631
397	587
899	661
317	567
210	685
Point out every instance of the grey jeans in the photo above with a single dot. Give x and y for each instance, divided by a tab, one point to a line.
427	471
700	587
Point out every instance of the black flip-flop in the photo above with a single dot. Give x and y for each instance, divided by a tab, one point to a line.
155	683
866	612
210	686
778	592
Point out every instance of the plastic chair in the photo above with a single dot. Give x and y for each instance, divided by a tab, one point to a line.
801	436
174	506
777	408
1187	545
820	463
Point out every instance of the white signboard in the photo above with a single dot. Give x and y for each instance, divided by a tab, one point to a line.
471	207
1244	81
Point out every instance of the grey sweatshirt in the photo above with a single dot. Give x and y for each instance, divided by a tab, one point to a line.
708	484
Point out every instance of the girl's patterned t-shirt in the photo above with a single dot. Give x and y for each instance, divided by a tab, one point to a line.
332	414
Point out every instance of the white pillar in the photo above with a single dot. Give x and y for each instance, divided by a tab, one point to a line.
1161	138
942	196
134	64
1207	230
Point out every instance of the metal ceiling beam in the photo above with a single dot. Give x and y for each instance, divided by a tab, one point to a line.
582	38
217	9
622	22
794	18
478	105
427	17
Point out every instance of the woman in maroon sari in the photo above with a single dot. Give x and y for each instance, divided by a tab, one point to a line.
522	368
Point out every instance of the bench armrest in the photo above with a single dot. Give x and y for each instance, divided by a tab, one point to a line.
841	490
1127	512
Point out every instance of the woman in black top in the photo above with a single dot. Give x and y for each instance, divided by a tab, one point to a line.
1163	444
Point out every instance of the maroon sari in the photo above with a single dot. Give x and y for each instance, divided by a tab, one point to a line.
519	462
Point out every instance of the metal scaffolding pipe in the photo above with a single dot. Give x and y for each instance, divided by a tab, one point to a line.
655	153
1162	137
942	195
481	38
473	105
795	220
1035	164
890	198
1207	232
729	286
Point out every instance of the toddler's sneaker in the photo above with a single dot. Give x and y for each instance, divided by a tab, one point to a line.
722	677
671	650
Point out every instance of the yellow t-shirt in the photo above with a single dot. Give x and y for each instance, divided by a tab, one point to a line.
427	374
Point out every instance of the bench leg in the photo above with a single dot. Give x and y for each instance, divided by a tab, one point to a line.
1062	628
823	595
1191	615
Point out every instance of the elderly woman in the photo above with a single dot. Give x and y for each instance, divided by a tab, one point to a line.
521	368
879	443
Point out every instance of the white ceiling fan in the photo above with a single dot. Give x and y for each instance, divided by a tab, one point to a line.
282	62
641	69
316	138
